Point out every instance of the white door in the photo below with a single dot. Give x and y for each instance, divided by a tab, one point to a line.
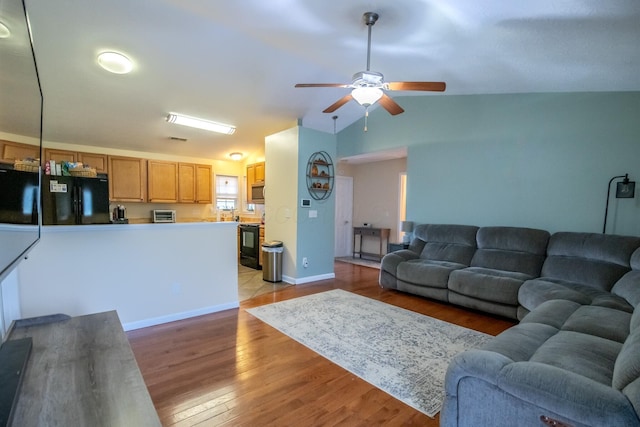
344	216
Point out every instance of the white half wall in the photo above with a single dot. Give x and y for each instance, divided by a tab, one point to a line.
148	273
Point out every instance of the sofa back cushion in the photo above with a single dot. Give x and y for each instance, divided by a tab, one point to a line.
596	260
447	242
511	249
628	287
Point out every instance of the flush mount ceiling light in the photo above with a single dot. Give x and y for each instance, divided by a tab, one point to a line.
194	122
236	156
4	31
115	62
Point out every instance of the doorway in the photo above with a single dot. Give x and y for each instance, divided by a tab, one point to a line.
343	216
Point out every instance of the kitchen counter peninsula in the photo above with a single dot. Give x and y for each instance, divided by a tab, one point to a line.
149	273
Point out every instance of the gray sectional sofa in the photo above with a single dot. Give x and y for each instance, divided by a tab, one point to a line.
574	358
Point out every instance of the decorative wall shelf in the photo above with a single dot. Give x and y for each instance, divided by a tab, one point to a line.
320	175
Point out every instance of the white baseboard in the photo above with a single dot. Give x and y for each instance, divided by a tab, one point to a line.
308	279
178	316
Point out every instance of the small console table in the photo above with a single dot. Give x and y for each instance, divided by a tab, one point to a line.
382	234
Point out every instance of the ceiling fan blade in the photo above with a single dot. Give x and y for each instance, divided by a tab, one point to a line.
426	86
322	85
390	105
339	103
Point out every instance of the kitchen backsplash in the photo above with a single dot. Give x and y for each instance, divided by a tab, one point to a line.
141	212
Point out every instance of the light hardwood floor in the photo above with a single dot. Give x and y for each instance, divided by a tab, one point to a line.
231	369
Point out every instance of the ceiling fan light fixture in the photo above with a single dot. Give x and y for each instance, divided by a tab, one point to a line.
366	96
115	62
194	122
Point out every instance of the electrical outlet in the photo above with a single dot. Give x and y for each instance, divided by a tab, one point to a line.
305	262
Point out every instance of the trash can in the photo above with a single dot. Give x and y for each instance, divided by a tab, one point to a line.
272	261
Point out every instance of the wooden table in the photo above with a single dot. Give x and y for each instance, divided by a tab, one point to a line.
382	234
81	372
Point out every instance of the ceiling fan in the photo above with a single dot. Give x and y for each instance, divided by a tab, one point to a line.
368	86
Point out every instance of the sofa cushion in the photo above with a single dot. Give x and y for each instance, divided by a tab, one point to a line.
424	272
628	287
587	355
511	249
446	242
596	260
488	284
391	260
534	292
601	322
627	366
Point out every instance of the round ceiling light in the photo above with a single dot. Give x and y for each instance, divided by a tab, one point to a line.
236	156
115	62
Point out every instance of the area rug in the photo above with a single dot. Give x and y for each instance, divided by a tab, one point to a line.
401	352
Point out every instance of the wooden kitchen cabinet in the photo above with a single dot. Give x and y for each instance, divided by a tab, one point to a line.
11	151
259	167
186	183
255	173
162	181
60	156
93	160
204	179
96	161
261	240
127	179
194	183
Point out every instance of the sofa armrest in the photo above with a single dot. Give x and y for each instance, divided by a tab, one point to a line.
568	394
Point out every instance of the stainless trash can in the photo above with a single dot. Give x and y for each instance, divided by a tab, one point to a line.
272	261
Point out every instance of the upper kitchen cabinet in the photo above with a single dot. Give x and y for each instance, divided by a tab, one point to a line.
12	151
60	156
203	184
255	174
96	161
92	160
127	179
194	183
163	181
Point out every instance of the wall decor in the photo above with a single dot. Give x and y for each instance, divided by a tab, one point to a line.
320	175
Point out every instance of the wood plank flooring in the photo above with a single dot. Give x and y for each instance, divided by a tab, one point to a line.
231	369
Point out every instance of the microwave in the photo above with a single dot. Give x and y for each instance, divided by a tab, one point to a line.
257	192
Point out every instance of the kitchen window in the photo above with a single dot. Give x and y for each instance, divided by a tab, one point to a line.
227	192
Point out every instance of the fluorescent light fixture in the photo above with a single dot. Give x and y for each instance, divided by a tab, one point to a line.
115	62
366	96
236	156
4	31
194	122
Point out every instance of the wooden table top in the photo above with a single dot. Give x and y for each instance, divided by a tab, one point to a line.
82	372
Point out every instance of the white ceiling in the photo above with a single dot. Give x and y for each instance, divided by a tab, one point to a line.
237	62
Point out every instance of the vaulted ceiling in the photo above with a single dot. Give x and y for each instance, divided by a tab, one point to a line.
237	62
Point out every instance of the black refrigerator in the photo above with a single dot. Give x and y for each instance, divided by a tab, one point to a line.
69	200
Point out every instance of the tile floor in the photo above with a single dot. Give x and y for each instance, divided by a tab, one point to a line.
250	283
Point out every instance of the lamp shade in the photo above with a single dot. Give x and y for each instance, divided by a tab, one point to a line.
406	226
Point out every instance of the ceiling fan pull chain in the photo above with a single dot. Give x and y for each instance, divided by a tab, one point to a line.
366	117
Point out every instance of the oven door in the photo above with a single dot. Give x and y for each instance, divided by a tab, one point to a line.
249	246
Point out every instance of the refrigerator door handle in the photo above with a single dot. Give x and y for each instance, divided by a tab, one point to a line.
77	200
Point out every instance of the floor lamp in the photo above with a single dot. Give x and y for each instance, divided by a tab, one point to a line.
625	189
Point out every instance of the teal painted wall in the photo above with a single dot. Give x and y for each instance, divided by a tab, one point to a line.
315	235
533	160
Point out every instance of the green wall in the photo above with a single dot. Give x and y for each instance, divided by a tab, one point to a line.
532	160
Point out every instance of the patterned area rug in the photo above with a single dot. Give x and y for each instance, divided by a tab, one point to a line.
403	353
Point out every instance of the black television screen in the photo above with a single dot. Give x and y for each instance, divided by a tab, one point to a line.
20	122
